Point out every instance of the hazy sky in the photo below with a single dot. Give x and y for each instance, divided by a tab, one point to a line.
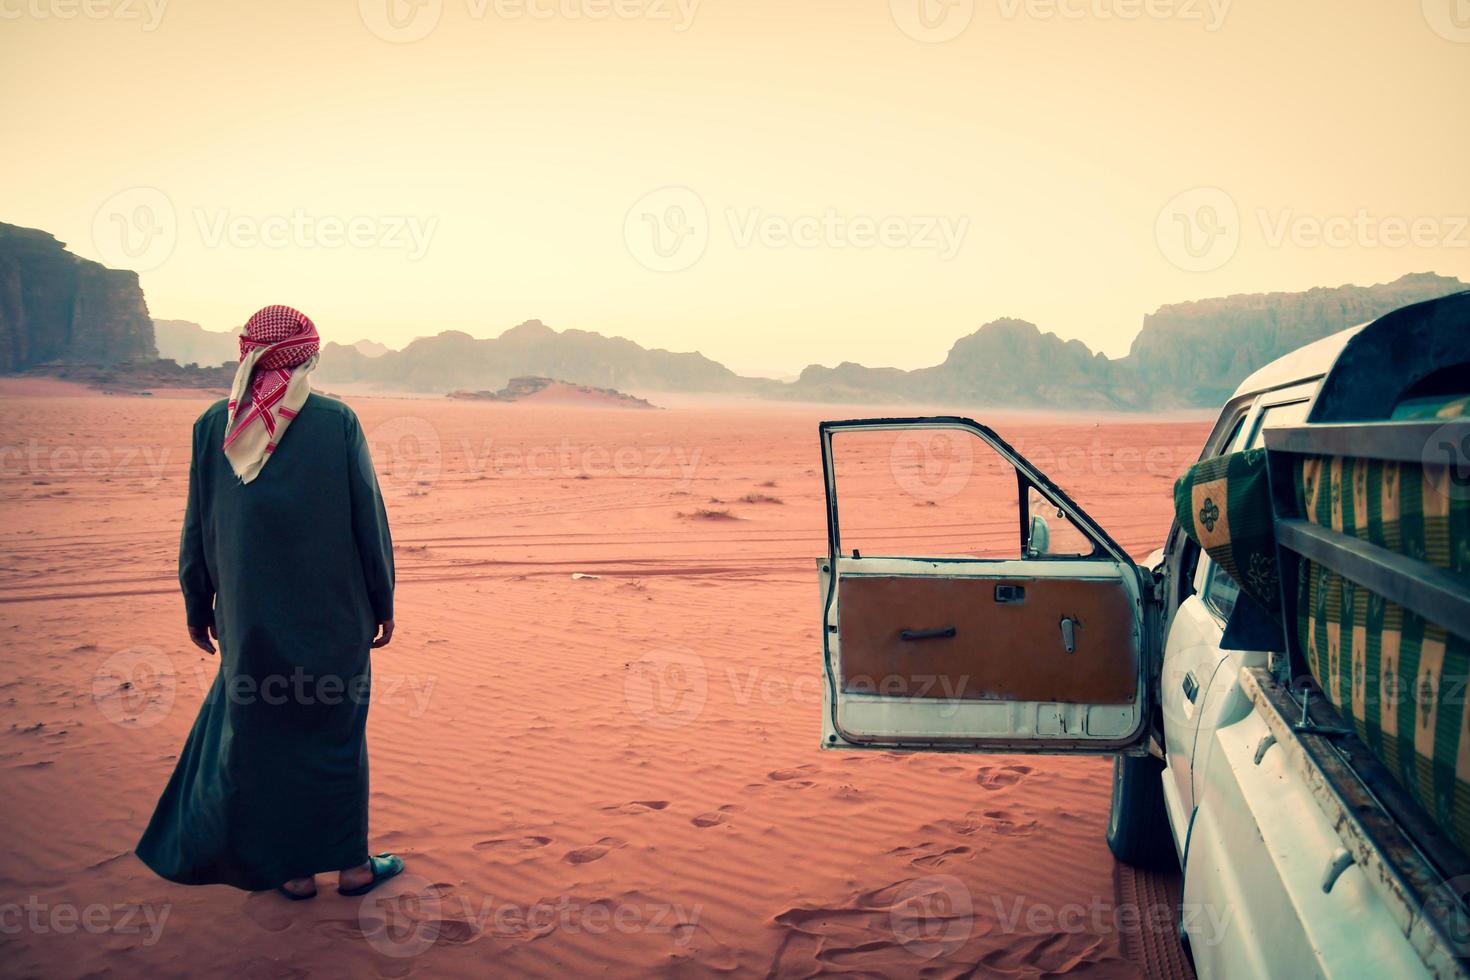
772	183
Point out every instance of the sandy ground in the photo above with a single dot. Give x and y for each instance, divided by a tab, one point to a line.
594	737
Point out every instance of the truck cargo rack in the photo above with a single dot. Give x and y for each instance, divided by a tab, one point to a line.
1439	595
1418	871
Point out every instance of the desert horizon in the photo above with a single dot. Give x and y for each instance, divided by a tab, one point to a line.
594	735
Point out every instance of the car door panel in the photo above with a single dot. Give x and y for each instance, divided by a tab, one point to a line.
1042	654
990	638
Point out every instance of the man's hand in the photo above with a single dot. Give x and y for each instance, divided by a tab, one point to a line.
201	634
385	634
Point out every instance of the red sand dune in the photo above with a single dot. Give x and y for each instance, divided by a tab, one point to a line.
615	774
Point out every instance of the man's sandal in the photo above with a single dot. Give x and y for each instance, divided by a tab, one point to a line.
384	866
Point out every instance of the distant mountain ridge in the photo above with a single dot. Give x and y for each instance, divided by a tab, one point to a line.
186	342
1187	355
60	311
453	360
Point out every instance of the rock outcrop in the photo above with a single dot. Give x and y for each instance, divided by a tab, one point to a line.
552	390
453	360
59	307
1188	355
1200	351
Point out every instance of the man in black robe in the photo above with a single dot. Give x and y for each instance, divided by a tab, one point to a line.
290	567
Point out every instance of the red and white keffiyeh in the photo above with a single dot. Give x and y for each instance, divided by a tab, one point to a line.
278	350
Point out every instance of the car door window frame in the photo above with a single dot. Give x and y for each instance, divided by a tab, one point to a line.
1027	476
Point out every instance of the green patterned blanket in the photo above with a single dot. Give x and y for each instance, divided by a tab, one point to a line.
1224	505
1397	679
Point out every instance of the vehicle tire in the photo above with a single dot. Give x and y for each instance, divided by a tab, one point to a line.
1138	827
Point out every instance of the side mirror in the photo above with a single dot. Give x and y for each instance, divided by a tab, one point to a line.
1038	541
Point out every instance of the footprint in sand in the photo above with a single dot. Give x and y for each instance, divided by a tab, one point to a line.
270	911
1051	954
512	844
713	818
1004	823
931	855
795	775
637	806
593	852
420	914
1000	777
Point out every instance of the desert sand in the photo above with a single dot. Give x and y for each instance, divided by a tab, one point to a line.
594	736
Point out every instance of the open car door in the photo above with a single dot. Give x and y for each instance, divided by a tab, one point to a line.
1038	638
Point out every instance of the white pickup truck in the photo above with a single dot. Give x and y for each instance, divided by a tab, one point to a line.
1058	642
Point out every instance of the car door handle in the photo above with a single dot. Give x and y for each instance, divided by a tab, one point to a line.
939	633
1069	634
1191	687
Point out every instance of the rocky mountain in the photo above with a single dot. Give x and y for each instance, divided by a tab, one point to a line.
1200	351
186	342
1188	354
56	307
453	360
1006	362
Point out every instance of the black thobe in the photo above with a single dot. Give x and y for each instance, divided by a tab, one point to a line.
295	569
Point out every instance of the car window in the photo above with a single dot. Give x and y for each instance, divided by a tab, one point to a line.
1220	590
1283	413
